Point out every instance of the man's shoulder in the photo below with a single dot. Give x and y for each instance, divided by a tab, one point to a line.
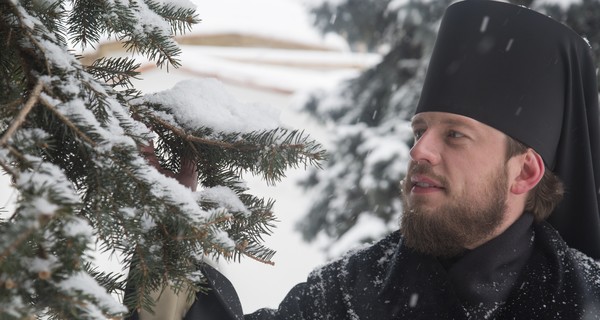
586	267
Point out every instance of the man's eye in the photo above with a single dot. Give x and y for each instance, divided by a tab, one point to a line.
418	133
455	134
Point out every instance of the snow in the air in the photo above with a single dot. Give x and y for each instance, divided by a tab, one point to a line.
284	19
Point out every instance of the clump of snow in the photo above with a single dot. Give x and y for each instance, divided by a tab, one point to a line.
47	176
184	4
128	212
224	197
29	135
222	238
57	56
84	283
110	131
204	102
171	190
37	264
147	223
43	206
149	21
78	227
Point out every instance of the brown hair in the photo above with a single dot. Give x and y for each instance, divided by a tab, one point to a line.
544	197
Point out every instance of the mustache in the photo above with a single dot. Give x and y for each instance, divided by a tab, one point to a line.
424	169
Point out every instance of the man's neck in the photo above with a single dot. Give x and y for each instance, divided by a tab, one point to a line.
486	274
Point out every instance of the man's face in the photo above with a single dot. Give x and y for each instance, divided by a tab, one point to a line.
455	191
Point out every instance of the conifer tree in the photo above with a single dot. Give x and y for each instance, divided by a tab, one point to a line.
368	116
70	137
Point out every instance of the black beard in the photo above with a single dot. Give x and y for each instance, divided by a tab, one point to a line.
446	232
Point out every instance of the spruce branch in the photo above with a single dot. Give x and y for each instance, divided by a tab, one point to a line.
29	33
180	19
115	71
156	46
306	150
12	104
22	237
243	248
7	167
70	145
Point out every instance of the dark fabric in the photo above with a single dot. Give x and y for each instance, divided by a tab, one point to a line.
389	281
219	302
488	273
534	79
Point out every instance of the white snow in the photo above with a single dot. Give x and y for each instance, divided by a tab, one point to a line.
186	4
43	206
84	283
78	227
38	265
192	100
484	24
414	298
509	44
284	19
224	197
562	3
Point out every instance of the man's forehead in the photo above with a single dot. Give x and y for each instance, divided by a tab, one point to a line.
431	118
444	118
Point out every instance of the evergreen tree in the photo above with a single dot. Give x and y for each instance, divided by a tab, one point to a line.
70	138
368	119
357	195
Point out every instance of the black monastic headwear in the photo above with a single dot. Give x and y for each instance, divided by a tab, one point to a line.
534	79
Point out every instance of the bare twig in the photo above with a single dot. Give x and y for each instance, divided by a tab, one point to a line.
12	104
67	122
18	121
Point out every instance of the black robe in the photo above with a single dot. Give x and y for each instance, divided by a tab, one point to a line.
389	281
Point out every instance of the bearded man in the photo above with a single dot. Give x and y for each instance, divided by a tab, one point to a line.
509	109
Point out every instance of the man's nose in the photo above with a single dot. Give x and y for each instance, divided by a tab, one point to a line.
427	148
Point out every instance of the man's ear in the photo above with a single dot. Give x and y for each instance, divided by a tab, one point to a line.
531	172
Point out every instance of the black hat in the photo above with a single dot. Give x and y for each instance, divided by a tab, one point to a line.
534	79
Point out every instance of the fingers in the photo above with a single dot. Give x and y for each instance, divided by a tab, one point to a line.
188	174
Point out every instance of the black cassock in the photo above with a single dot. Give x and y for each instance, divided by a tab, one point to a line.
389	281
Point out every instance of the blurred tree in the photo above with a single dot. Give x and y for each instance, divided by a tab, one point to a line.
356	196
581	15
70	139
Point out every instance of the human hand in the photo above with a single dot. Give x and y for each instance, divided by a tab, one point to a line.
188	173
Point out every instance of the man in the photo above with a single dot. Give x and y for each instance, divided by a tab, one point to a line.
509	109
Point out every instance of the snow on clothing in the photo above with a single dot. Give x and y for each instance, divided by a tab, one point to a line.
390	281
529	267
